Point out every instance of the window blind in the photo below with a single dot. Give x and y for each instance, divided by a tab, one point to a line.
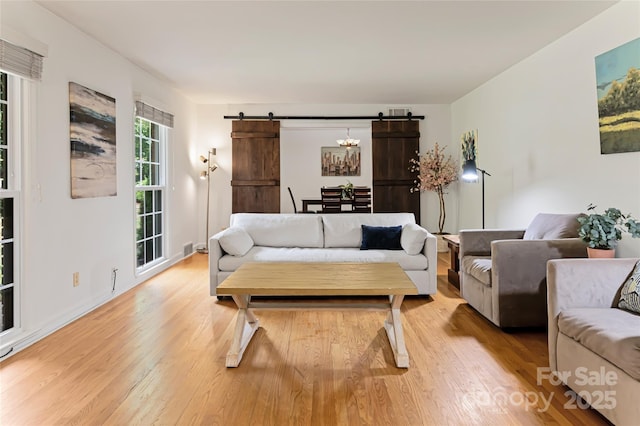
153	114
20	61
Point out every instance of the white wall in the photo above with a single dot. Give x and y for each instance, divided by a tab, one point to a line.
300	142
538	133
90	236
214	132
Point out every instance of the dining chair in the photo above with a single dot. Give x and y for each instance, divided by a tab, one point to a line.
331	199
293	201
362	199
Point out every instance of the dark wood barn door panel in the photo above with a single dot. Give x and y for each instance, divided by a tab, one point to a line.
394	143
255	176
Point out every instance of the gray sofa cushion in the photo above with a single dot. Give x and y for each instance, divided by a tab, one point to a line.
546	226
612	333
479	267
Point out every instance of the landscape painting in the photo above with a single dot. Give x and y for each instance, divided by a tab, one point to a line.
93	143
340	161
618	84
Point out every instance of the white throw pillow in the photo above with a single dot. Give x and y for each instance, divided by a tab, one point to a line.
235	241
412	238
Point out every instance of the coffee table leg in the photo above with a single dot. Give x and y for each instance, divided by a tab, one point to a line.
393	325
246	326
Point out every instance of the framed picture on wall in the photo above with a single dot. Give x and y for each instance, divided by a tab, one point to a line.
618	80
92	132
340	161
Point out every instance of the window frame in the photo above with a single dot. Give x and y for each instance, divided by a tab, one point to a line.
17	122
161	186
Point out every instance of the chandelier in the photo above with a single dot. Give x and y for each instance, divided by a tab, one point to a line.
348	142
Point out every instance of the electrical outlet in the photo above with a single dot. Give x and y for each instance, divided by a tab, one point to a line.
76	279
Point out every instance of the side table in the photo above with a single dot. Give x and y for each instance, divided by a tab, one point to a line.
453	242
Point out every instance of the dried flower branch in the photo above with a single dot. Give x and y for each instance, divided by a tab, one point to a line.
435	173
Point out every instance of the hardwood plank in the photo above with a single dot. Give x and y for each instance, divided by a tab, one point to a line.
156	355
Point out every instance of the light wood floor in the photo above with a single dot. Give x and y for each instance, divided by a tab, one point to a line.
156	355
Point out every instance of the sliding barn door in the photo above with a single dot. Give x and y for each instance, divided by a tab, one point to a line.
394	143
255	176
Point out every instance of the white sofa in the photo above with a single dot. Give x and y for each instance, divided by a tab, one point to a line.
264	237
594	346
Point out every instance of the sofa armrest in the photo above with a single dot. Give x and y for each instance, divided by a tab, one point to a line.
518	277
215	253
477	242
582	283
430	250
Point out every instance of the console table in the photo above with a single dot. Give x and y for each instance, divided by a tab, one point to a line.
453	242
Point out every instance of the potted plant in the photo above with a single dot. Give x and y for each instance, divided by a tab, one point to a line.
435	173
347	191
603	231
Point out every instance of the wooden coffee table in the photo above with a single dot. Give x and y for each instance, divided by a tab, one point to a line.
316	279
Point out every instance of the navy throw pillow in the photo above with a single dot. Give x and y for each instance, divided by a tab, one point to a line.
381	237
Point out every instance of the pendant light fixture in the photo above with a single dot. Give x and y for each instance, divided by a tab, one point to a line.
348	142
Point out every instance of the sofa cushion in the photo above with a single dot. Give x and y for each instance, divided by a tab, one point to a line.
344	230
547	226
630	292
412	238
612	333
478	267
381	237
281	230
235	241
284	254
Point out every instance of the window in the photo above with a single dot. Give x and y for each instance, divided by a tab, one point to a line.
150	141
9	199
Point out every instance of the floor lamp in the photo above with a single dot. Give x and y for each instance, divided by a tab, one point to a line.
206	174
470	174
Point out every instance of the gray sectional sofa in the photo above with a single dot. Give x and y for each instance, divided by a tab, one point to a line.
594	346
262	237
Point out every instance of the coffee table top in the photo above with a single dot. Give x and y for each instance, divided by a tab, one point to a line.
317	279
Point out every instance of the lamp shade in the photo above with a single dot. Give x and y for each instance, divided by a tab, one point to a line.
469	171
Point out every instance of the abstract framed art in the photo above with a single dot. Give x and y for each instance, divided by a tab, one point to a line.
340	161
92	131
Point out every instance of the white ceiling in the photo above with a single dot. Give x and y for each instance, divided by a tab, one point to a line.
341	52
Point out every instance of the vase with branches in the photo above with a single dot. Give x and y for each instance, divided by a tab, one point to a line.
435	172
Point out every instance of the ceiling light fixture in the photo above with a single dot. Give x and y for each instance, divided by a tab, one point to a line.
348	142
